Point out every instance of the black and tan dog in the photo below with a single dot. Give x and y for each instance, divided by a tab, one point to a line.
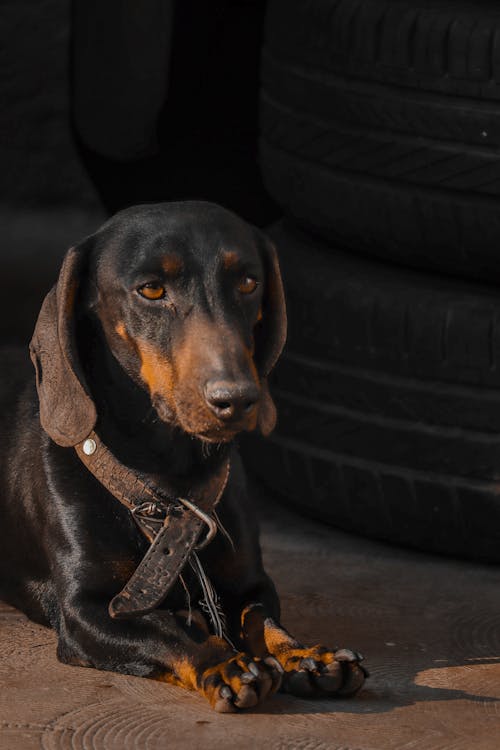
151	353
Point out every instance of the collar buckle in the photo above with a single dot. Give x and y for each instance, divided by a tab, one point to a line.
212	526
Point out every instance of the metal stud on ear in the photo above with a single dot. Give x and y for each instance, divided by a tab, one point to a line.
89	446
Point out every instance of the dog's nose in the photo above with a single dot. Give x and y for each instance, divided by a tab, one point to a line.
231	401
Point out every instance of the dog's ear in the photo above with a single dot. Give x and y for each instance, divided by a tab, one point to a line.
67	412
270	332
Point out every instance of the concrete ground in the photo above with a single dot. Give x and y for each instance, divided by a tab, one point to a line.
429	628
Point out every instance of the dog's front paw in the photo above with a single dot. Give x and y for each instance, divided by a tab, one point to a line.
240	682
316	671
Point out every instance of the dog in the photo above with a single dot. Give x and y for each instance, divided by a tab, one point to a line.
152	352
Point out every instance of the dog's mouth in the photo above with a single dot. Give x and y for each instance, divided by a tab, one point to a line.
221	432
219	440
207	430
216	436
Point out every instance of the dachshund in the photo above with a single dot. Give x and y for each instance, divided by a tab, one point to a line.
154	347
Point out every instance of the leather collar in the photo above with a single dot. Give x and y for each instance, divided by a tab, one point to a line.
172	524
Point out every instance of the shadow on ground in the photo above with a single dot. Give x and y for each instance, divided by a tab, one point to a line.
429	629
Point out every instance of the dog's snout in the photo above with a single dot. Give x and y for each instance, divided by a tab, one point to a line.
231	401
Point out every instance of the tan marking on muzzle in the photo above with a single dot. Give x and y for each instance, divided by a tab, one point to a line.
202	341
156	370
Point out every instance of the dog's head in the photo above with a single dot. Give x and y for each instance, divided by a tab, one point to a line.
191	305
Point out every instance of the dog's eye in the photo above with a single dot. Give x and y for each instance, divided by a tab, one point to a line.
247	285
152	291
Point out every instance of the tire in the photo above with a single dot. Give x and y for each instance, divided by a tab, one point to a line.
388	399
380	124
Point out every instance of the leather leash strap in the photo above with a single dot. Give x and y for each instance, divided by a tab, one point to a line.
172	527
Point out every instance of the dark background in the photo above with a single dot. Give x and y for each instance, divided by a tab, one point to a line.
106	105
375	126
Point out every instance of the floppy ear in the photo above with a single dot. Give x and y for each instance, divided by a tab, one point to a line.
270	333
67	412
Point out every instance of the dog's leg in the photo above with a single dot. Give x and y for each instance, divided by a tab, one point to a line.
161	645
307	672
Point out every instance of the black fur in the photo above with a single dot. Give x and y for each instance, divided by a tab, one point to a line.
67	546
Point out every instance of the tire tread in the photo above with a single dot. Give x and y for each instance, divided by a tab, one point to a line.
389	418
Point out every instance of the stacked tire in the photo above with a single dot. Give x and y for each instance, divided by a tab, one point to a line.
381	143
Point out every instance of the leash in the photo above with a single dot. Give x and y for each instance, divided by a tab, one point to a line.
170	523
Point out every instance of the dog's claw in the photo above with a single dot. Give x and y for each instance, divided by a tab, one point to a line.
253	668
274	664
224	703
354	680
248	677
276	673
241	682
322	672
226	692
310	664
345	654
